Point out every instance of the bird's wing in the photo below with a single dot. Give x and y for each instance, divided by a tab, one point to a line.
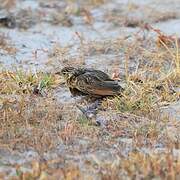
91	84
100	74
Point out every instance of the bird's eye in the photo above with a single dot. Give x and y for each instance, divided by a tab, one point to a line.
63	72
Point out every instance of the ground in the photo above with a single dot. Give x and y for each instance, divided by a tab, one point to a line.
45	133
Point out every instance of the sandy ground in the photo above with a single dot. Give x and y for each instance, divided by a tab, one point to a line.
52	138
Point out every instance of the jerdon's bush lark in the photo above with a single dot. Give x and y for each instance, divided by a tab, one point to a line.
85	81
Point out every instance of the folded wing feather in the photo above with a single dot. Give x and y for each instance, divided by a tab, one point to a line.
91	84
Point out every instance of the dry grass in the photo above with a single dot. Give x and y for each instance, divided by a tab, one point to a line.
137	165
152	166
26	117
142	141
153	81
8	4
135	15
6	45
31	118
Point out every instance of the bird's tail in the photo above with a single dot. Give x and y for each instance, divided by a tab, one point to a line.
106	88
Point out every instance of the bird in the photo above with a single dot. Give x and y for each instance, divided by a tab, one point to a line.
88	81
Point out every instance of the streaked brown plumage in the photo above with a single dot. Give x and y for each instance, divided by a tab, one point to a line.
84	81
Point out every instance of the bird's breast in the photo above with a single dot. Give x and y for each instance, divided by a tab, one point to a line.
71	82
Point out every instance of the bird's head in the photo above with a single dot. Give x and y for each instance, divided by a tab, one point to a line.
68	72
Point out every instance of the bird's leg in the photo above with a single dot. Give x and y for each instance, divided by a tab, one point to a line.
92	98
90	111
